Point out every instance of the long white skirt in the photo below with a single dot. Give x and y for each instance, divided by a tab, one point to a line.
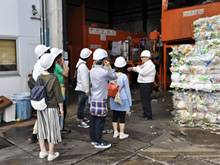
48	125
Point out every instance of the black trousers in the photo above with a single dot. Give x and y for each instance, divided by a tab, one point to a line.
145	93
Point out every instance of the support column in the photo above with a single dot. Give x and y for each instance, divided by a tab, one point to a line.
165	67
144	8
55	23
110	13
64	25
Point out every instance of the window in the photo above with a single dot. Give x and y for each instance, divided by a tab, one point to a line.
8	59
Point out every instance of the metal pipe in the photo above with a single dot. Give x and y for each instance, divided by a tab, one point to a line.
43	32
44	28
45	23
165	67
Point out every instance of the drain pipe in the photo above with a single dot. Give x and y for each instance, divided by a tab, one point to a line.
44	37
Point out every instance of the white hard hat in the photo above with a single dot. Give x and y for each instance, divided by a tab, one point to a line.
85	53
40	50
99	54
120	62
56	51
145	53
47	60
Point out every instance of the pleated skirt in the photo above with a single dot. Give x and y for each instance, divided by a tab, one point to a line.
48	125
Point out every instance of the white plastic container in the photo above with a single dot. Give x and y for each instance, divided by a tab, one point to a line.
9	113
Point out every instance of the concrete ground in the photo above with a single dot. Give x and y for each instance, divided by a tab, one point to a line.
157	142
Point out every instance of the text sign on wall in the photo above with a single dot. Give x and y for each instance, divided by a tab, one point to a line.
103	37
102	31
94	46
193	12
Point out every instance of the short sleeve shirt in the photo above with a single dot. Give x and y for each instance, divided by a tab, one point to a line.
57	71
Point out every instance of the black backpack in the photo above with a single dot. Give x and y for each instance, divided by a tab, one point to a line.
74	80
31	83
38	95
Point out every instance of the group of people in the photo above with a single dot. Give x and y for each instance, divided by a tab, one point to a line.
50	67
92	88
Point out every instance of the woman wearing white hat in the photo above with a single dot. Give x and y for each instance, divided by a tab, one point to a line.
48	119
119	110
37	71
61	71
146	76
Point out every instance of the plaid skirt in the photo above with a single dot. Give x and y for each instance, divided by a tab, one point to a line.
98	108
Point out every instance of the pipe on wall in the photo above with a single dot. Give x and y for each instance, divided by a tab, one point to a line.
44	27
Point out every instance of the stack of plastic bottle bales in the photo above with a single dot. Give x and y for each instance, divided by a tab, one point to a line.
196	77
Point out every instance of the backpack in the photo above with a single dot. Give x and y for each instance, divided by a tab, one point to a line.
74	80
38	95
113	88
31	83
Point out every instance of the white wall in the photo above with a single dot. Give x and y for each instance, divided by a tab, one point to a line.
17	24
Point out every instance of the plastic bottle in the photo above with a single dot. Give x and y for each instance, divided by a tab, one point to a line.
106	131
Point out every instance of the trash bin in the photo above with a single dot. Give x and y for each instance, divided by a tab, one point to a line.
23	105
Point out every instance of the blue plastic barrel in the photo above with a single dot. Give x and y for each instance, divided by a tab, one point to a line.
23	105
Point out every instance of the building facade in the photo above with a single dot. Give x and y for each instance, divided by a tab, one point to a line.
22	28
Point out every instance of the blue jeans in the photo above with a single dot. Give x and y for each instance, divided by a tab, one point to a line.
96	128
62	118
82	104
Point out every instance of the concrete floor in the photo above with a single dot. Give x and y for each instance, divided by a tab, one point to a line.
158	141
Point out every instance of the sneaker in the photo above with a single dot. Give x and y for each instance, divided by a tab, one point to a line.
86	120
145	118
123	136
64	131
116	134
102	145
52	157
93	143
83	125
33	138
79	120
143	115
43	155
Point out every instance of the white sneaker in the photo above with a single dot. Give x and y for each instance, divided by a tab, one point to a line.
43	155
123	136
93	143
83	125
86	120
52	157
116	134
102	145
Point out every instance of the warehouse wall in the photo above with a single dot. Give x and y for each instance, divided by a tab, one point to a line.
16	24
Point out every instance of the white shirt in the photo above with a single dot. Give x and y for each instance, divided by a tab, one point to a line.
146	72
82	77
37	70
